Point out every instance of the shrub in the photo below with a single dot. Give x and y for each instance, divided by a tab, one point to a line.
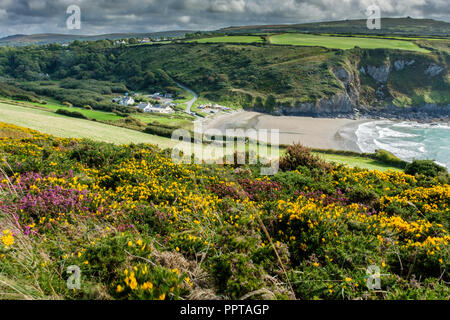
425	167
299	155
388	158
74	114
360	194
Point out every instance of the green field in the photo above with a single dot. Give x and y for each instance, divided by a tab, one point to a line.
300	39
354	161
178	121
230	39
62	126
92	114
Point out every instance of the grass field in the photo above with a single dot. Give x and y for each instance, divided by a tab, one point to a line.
230	39
179	121
62	126
344	43
92	114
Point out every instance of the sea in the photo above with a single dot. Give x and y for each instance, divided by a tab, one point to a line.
407	140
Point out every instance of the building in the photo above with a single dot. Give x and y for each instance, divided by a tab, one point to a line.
161	109
126	101
144	105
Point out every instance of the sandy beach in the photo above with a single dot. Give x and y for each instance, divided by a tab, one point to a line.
320	133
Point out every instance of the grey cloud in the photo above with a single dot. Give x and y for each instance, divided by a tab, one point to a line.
107	16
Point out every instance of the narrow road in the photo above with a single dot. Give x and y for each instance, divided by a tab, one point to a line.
190	102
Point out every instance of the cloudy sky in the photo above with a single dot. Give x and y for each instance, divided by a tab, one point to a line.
108	16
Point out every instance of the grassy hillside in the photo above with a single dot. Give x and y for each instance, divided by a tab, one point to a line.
141	227
390	26
249	75
62	126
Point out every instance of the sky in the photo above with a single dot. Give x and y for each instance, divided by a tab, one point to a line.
113	16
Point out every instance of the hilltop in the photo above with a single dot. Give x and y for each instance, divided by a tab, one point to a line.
390	26
47	38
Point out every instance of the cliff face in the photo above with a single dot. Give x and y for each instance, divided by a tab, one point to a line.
393	87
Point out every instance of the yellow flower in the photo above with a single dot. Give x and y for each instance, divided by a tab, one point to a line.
7	238
119	289
162	297
347	279
147	286
315	264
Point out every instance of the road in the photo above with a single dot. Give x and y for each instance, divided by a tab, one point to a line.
190	102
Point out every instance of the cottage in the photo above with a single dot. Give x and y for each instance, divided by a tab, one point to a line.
126	101
161	109
144	105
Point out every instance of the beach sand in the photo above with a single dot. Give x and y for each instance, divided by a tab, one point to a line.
322	133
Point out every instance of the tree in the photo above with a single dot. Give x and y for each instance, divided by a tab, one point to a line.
270	103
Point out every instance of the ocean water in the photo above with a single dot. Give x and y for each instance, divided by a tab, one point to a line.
407	140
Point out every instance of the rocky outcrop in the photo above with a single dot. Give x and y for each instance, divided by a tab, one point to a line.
347	103
338	105
401	64
379	74
433	70
350	103
422	113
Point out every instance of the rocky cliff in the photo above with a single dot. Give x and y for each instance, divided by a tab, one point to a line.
393	87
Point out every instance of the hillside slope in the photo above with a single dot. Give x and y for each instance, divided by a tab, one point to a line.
140	227
271	78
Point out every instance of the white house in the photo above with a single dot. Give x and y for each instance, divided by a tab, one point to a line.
144	105
126	101
159	109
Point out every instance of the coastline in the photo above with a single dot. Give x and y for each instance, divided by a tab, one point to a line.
320	133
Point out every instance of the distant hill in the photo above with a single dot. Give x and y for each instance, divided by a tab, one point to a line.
398	26
46	38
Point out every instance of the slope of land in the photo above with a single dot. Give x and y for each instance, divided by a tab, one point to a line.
270	78
140	227
63	126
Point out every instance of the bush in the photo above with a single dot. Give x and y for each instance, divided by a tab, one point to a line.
299	155
74	114
388	158
425	167
360	194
